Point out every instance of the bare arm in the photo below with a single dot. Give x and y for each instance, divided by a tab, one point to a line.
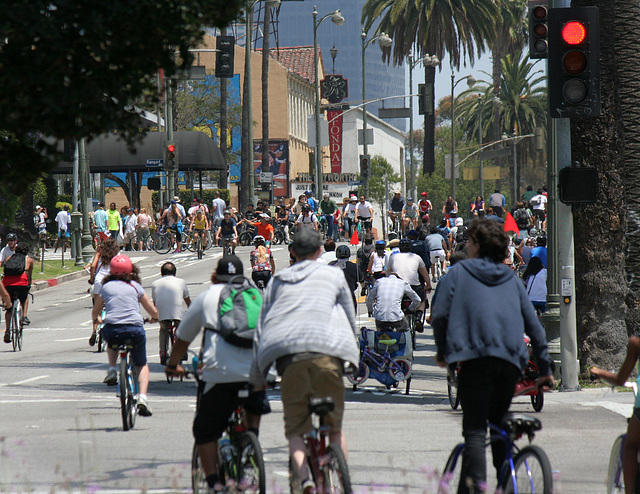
146	302
633	353
97	308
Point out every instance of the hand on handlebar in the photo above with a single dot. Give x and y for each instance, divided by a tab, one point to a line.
545	383
177	372
440	361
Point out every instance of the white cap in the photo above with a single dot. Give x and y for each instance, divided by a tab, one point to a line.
38	207
459	222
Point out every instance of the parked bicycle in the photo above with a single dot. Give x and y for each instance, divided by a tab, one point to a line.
326	462
525	470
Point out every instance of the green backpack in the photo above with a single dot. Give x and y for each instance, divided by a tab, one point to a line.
238	311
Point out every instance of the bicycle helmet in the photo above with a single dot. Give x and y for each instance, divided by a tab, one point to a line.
381	244
306	208
343	252
121	265
409	199
226	211
424	194
258	239
405	245
12	236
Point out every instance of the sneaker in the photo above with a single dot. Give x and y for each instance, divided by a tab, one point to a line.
308	487
177	251
433	280
92	339
163	359
112	378
7	337
143	407
25	321
419	327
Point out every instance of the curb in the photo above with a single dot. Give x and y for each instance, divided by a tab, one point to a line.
42	284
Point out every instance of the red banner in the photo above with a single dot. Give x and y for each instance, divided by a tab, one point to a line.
335	139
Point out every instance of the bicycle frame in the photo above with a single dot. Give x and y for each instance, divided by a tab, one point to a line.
316	442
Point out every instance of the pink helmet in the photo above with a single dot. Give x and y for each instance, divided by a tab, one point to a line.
121	265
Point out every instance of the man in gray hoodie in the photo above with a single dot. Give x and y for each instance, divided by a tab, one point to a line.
309	340
479	318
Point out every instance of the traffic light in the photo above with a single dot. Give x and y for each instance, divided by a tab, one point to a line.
574	62
578	185
538	32
224	56
365	160
171	155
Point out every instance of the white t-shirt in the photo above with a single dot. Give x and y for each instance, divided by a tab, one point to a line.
308	221
6	253
220	206
542	200
168	294
130	223
537	286
63	218
406	265
362	209
350	210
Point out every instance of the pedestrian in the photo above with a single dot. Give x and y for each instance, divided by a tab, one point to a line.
114	221
63	219
100	223
479	318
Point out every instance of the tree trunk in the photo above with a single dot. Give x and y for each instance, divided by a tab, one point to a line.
600	246
121	183
429	159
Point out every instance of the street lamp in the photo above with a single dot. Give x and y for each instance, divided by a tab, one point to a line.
384	41
495	101
338	20
431	61
471	82
334	54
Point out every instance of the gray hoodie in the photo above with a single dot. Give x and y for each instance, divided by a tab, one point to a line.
483	310
307	307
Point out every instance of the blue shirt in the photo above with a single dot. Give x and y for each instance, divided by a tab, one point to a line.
100	219
540	252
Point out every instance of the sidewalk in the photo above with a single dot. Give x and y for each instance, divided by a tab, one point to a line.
50	256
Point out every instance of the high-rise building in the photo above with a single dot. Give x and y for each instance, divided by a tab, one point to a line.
295	28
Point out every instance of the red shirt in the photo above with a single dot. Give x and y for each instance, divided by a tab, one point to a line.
425	205
264	229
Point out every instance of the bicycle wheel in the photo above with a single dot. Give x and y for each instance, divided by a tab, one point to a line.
452	387
132	244
451	473
538	401
615	481
124	392
278	237
245	238
17	315
198	478
132	383
199	249
532	472
188	240
335	472
13	329
161	243
251	472
402	370
361	376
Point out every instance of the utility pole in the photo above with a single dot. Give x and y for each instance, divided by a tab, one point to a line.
170	171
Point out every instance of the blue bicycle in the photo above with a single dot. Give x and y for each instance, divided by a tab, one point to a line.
525	470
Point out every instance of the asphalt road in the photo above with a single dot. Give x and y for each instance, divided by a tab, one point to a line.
61	429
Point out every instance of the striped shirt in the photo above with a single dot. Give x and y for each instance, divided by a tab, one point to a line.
385	299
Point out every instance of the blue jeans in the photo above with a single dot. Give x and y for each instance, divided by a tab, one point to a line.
329	219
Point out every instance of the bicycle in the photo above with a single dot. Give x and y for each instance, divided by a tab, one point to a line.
437	269
525	470
326	462
169	340
225	243
399	368
161	242
15	325
127	382
240	460
99	340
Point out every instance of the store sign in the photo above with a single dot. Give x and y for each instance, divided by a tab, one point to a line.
336	190
335	139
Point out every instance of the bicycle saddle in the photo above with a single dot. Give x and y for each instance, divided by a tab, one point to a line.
321	406
519	423
116	343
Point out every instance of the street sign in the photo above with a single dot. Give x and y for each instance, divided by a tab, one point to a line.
369	137
266	177
153	163
355	183
489	154
394	113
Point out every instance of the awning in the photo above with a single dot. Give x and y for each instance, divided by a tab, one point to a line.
109	153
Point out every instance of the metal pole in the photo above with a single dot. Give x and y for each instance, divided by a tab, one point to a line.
316	87
365	147
453	139
481	161
87	249
171	172
412	166
515	174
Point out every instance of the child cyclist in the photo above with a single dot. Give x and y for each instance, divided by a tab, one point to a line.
632	441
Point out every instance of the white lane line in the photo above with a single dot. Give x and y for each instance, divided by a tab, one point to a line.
25	381
152	276
72	339
79	298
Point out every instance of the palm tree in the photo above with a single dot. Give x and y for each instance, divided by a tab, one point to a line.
433	27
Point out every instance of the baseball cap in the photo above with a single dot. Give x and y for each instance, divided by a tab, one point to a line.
397	192
229	267
265	216
38	207
174	202
129	209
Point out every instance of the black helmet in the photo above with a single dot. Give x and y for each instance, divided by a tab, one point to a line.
405	245
306	208
12	236
343	252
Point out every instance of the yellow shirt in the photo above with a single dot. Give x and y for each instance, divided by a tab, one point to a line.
199	224
113	217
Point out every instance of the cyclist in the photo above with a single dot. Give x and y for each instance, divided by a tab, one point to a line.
424	204
99	269
395	207
486	340
282	219
409	214
17	281
307	219
167	295
349	216
225	372
378	260
437	249
349	269
121	294
384	303
364	213
326	210
228	230
9	249
410	267
309	343
262	263
199	226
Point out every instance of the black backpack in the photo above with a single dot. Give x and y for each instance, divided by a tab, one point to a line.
461	234
522	218
15	265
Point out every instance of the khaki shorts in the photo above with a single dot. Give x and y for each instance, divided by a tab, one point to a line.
319	377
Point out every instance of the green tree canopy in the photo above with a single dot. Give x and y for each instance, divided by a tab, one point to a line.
68	69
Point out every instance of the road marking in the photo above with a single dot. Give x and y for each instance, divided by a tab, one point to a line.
624	409
72	339
79	298
25	381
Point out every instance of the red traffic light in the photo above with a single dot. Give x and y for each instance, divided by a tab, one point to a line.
171	148
574	32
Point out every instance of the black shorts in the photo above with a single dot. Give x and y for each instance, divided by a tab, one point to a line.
540	214
261	275
216	406
419	289
19	292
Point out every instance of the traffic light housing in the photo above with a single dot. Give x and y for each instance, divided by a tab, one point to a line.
578	185
365	161
425	99
574	62
224	56
171	155
538	32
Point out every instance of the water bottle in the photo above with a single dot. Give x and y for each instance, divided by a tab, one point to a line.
226	449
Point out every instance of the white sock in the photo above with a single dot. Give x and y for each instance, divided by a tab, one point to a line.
111	368
142	396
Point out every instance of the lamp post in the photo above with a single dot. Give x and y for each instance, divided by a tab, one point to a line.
338	20
431	61
384	41
471	82
495	101
334	54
